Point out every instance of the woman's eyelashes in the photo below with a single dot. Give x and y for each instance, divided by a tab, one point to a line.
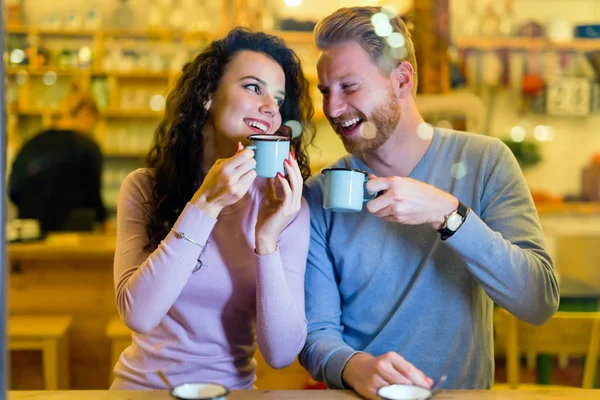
253	87
258	90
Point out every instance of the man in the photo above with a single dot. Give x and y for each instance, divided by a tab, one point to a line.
56	176
403	291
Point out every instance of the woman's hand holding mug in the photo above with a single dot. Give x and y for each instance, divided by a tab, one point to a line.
282	202
227	181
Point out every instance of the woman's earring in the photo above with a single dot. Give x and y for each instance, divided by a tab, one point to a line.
207	104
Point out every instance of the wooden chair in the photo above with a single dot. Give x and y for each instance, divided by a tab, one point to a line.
572	333
47	334
120	338
293	377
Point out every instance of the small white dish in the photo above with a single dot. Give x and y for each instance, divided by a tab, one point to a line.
403	392
200	391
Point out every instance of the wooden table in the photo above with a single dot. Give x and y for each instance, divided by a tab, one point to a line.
65	246
69	274
579	394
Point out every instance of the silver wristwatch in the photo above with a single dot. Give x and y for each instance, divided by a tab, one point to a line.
453	221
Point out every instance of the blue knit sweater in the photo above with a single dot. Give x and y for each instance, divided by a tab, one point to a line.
377	286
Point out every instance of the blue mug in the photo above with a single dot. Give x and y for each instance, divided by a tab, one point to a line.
344	189
270	152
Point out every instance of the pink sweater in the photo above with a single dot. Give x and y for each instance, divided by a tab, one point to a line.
205	325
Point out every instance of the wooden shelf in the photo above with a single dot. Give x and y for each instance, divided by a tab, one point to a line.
107	32
524	43
48	31
561	208
40	71
123	154
116	113
136	74
18	29
34	112
155	33
132	113
295	37
130	74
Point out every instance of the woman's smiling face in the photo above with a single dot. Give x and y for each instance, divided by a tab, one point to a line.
248	98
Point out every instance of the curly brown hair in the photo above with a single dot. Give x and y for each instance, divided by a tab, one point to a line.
177	152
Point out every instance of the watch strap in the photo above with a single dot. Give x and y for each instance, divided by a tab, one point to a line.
462	210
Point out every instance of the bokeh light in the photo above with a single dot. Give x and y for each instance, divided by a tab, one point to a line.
17	56
543	133
368	130
425	131
49	78
391	10
383	30
458	170
85	55
517	133
396	39
157	102
380	18
399	53
21	77
295	126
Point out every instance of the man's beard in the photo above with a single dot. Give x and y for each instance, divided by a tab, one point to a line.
375	130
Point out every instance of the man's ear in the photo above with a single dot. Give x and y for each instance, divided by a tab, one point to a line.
403	79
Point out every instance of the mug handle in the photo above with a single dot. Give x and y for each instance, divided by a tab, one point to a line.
366	200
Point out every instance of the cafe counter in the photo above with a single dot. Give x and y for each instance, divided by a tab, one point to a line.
66	274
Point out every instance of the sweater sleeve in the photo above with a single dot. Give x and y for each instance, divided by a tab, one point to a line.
325	353
504	245
147	284
281	321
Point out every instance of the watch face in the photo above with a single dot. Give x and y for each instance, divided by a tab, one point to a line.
454	222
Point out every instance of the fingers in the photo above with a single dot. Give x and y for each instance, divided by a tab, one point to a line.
378	184
287	190
389	375
239	147
294	177
409	371
379	204
238	159
390	211
244	182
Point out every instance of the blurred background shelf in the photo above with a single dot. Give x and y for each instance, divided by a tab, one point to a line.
154	33
564	208
123	154
295	37
132	113
108	113
497	43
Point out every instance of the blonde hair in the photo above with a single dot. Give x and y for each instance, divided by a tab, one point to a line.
78	101
353	24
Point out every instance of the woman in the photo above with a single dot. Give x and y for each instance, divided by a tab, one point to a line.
210	259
